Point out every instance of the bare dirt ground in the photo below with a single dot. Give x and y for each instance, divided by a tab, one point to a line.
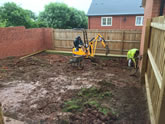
46	89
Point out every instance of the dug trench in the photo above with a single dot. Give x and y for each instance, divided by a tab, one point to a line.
46	89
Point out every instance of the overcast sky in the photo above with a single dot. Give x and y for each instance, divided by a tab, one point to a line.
38	5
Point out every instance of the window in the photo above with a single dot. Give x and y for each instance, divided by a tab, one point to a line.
139	20
106	21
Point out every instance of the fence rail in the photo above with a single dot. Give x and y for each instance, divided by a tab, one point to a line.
119	41
153	69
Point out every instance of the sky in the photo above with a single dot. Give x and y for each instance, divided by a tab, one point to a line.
38	5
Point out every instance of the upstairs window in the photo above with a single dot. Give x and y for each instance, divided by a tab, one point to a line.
106	21
139	20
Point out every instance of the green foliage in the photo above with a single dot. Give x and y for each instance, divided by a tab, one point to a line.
78	19
91	92
88	97
105	94
55	15
73	105
104	110
93	102
31	14
41	24
13	15
2	22
59	15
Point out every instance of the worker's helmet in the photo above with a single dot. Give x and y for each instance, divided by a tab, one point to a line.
78	37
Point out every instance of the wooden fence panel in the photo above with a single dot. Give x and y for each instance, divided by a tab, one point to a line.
154	69
1	115
118	41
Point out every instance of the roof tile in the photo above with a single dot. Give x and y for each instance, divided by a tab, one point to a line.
115	7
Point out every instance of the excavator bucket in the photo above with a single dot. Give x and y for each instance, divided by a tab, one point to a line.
105	46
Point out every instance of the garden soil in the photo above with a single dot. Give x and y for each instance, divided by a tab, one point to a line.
35	89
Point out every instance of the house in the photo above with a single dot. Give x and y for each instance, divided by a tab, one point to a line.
115	14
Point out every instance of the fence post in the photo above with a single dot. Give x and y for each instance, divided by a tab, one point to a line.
53	38
1	115
122	46
146	45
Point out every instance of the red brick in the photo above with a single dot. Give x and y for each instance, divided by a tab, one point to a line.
94	22
18	41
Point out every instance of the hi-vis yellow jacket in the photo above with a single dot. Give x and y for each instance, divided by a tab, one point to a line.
131	54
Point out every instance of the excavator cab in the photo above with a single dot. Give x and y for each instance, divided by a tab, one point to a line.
78	47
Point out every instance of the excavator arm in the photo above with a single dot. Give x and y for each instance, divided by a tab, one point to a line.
93	45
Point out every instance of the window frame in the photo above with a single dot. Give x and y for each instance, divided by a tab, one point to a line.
141	22
106	21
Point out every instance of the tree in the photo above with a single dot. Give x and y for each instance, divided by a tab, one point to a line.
56	15
59	15
16	16
31	14
78	19
2	22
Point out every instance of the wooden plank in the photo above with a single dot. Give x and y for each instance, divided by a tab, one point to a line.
99	31
146	45
32	54
71	40
155	92
98	51
151	112
159	19
160	51
158	26
135	41
103	49
1	115
155	69
161	104
161	118
97	54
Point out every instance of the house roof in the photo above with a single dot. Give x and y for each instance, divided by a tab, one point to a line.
115	7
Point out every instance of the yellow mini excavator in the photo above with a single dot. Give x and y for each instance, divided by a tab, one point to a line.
86	49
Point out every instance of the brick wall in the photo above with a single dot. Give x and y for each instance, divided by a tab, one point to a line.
151	9
94	22
156	8
147	14
18	41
